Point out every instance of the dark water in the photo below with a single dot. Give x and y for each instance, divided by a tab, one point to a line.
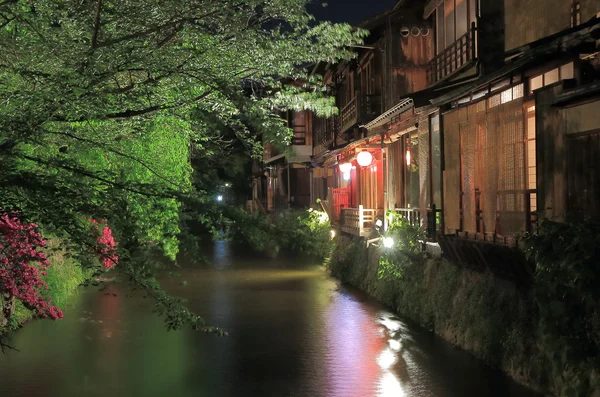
293	331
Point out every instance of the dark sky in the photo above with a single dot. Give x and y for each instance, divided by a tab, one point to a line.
351	11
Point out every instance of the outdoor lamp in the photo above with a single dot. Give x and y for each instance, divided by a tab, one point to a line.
345	167
388	242
407	156
364	159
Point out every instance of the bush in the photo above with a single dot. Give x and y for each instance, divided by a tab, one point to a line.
304	233
64	276
406	250
567	258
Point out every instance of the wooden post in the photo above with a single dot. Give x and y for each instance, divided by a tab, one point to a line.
385	171
361	218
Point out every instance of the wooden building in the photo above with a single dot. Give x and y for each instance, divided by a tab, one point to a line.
285	182
480	119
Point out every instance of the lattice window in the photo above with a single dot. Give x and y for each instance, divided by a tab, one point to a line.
575	13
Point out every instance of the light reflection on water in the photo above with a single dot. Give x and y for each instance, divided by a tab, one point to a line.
293	332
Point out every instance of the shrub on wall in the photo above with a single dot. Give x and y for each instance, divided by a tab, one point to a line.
567	258
406	240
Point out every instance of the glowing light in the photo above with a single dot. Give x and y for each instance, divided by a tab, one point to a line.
228	184
219	198
364	159
391	325
408	157
387	358
347	176
323	217
394	345
374	168
389	386
378	223
332	233
345	167
388	242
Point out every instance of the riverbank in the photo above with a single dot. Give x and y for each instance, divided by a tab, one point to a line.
64	277
493	319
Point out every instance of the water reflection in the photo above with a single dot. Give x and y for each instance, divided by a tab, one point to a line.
294	332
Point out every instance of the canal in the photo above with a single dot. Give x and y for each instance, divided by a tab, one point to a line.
293	331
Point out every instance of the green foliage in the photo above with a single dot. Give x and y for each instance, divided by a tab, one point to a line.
65	275
304	233
406	250
107	104
346	256
567	258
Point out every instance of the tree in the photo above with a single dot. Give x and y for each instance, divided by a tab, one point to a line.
103	103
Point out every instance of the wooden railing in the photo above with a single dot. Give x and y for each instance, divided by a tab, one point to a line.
349	115
455	57
361	109
323	131
429	219
358	221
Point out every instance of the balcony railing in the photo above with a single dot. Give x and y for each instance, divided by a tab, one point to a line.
455	57
429	219
358	221
323	130
361	109
349	115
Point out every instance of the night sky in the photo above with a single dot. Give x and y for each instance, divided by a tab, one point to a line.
351	11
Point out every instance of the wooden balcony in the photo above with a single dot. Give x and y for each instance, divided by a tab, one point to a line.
361	109
454	58
323	130
349	115
358	221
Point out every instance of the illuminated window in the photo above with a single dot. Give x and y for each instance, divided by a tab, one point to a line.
494	101
530	142
564	72
517	91
575	13
536	82
567	72
507	96
551	77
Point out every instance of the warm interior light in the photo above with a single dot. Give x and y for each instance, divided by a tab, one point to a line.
364	159
347	176
345	167
407	157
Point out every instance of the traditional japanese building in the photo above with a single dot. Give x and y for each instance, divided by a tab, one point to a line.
472	118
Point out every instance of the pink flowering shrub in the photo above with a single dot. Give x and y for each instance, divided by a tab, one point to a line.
22	263
106	246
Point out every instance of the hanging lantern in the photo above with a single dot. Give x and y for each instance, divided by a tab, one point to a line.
364	159
345	167
408	157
